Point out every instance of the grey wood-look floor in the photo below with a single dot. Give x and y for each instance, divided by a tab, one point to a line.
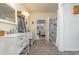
42	47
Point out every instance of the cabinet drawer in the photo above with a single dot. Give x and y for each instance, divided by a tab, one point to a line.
20	47
20	39
26	36
25	43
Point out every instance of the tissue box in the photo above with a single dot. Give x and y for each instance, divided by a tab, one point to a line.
76	9
2	33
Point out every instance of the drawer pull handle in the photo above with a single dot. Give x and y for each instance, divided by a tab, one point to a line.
21	39
21	46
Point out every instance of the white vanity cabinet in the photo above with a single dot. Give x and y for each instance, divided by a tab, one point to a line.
14	44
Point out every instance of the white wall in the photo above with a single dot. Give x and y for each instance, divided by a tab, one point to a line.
68	29
43	16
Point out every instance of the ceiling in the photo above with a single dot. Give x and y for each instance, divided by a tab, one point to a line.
41	7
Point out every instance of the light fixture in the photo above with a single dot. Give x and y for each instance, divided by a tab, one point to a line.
25	13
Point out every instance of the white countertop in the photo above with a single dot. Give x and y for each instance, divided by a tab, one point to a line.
14	35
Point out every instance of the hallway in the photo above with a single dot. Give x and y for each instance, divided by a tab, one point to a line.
42	47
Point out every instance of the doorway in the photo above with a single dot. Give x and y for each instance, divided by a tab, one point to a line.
41	29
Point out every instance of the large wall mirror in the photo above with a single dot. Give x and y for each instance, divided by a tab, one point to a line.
7	13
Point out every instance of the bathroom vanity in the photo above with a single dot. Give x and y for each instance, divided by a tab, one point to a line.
13	44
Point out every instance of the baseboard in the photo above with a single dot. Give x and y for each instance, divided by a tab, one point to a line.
62	50
71	49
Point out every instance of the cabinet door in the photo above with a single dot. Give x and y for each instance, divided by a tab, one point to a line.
10	45
2	46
